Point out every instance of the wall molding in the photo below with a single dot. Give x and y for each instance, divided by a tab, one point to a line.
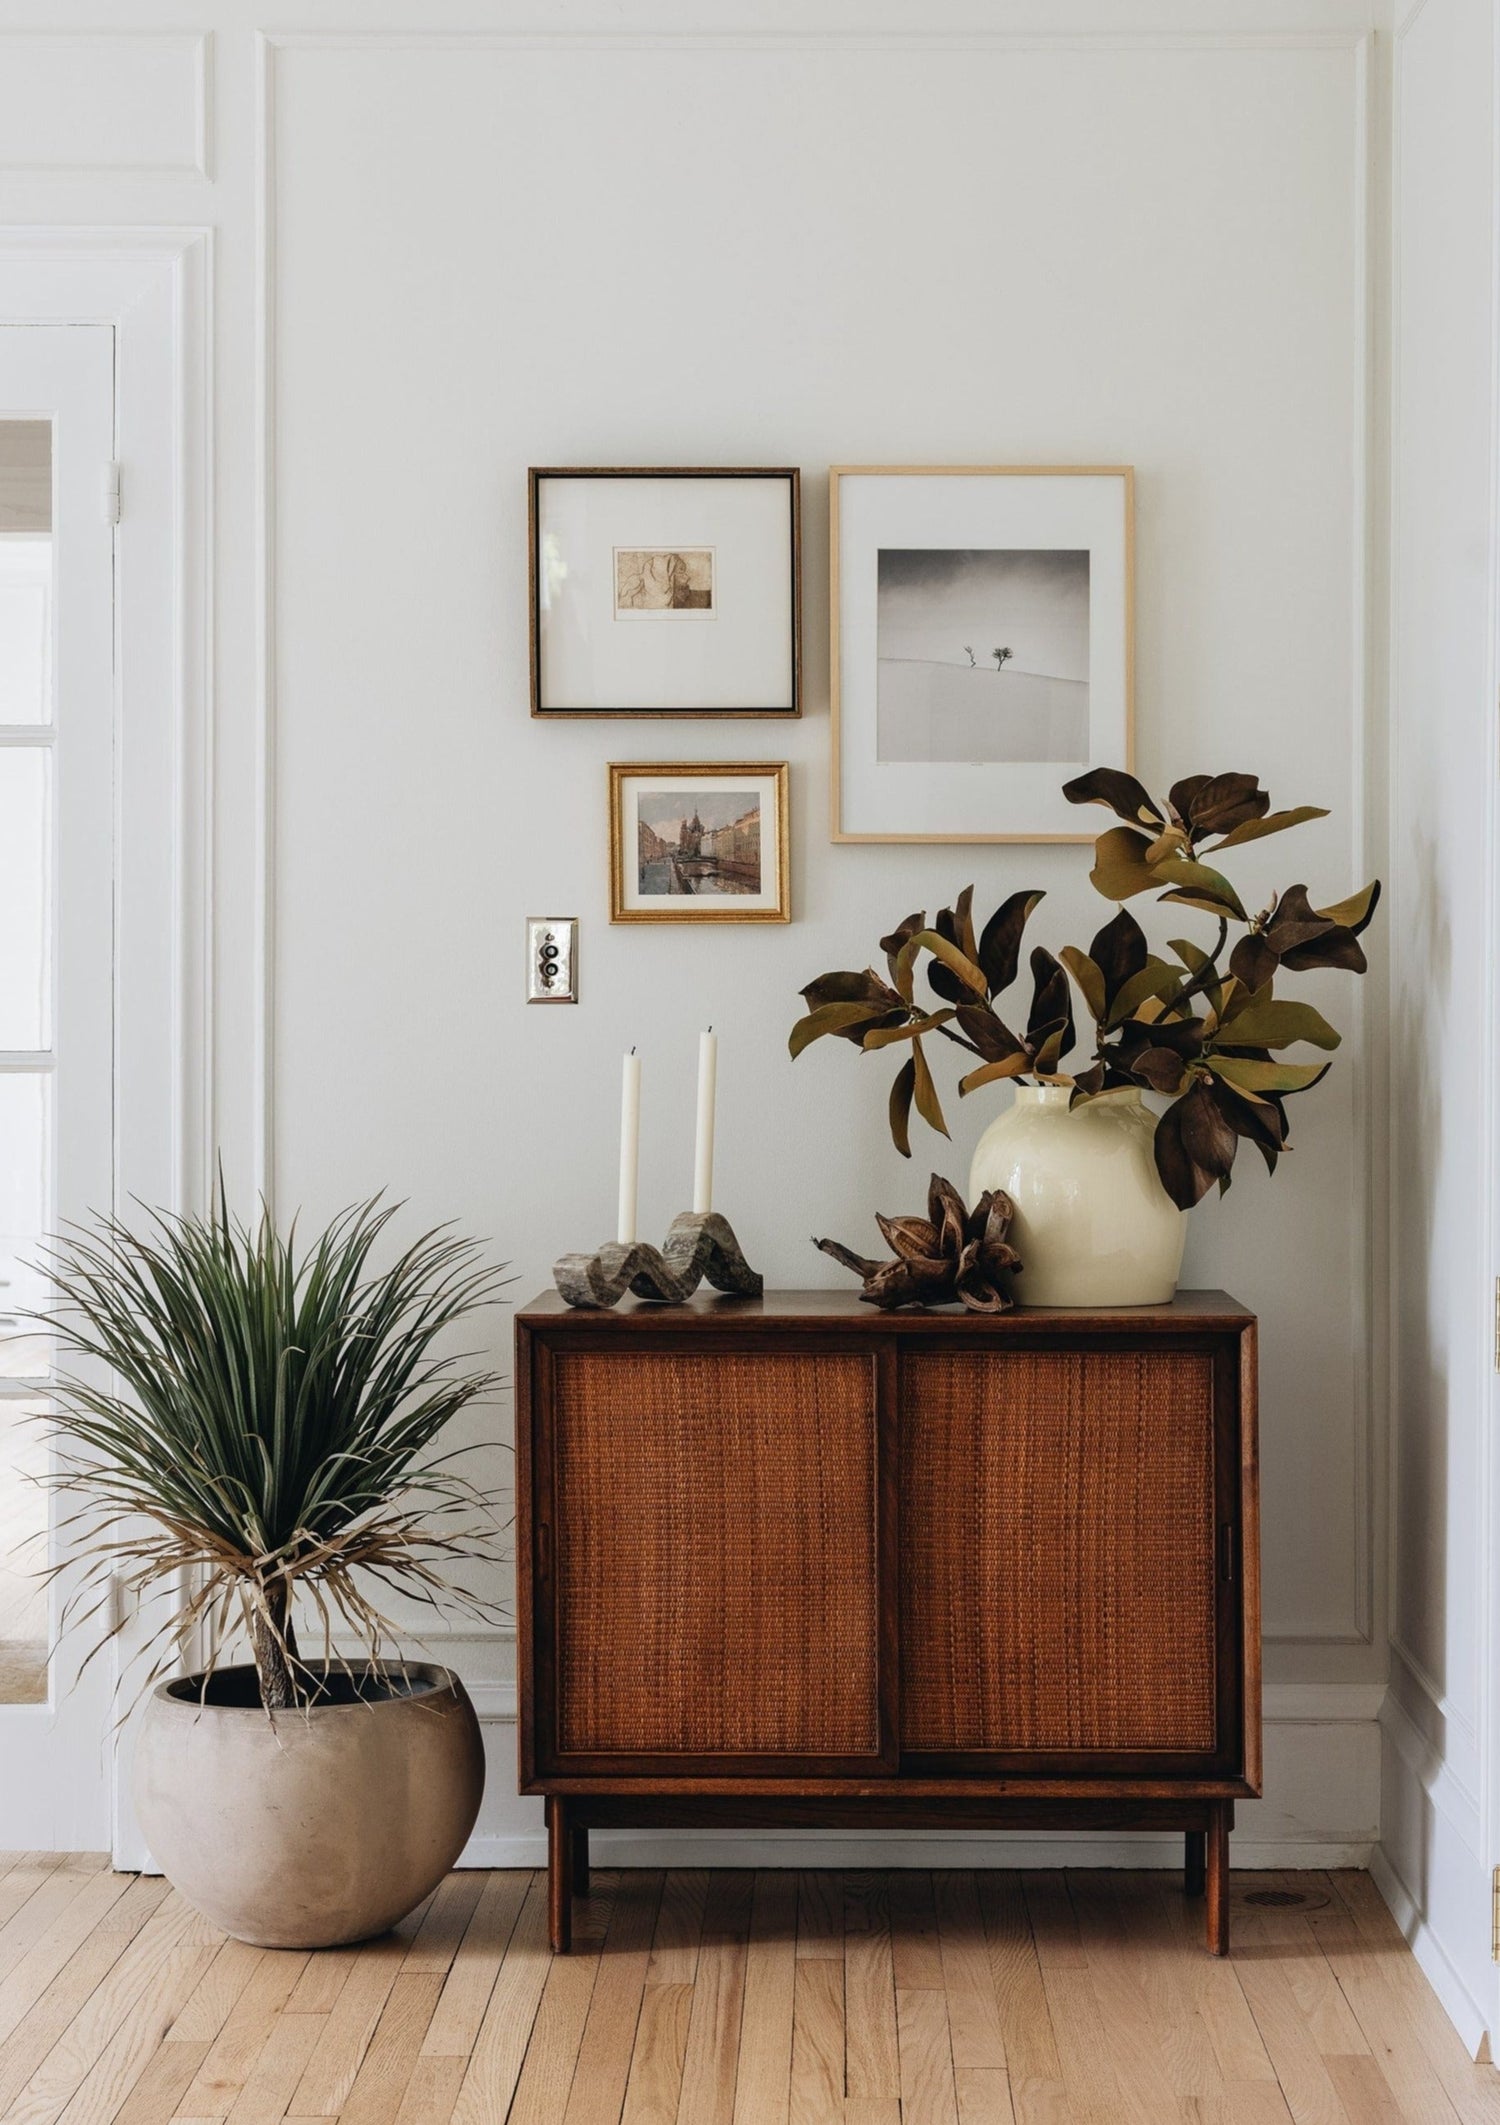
829	40
115	47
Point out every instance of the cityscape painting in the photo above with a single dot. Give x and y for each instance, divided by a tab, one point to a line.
698	843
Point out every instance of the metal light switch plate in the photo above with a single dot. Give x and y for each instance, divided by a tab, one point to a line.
552	959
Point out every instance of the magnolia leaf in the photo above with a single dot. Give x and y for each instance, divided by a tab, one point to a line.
1126	798
1272	823
1355	912
1222	802
1248	1075
1051	1041
1195	1145
1180	796
831	1018
1215	888
1267	1021
887	1036
1155	978
989	1034
850	987
925	1091
1051	1015
900	1106
991	1073
929	940
1118	951
1120	867
1159	1068
1252	961
1089	978
894	948
1000	946
1170	842
963	923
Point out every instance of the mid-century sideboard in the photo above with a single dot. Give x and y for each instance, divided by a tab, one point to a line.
789	1561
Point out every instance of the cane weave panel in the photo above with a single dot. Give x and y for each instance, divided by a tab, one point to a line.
716	1554
1058	1551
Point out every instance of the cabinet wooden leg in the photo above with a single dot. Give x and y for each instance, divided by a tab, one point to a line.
1218	1877
580	1835
559	1875
1193	1860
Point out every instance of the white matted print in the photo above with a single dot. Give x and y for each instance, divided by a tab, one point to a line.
665	592
982	648
698	842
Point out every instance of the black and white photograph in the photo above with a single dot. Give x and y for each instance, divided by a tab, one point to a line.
982	655
982	647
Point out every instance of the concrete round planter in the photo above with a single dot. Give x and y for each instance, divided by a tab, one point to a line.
326	1827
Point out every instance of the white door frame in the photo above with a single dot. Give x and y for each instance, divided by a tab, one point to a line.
154	287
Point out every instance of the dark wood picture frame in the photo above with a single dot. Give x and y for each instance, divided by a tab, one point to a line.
537	473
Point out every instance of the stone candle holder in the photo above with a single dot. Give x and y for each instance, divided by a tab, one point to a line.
700	1247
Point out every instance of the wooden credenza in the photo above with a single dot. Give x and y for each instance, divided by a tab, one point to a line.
789	1561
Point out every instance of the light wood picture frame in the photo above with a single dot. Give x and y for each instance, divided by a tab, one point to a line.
699	841
926	747
658	591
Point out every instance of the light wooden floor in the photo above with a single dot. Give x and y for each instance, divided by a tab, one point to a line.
768	1999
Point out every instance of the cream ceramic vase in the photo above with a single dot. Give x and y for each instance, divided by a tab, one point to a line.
1094	1225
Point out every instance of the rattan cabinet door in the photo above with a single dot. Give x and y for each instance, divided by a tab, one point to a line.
1062	1609
715	1573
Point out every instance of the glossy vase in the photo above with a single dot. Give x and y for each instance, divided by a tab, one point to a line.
1094	1225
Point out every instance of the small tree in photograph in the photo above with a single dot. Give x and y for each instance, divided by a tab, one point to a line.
1000	656
968	653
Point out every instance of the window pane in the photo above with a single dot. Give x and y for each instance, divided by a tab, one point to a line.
25	896
25	629
24	1630
25	1215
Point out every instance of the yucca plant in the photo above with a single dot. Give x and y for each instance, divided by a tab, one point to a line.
261	1419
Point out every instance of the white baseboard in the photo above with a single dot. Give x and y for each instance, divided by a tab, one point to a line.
1458	2003
922	1848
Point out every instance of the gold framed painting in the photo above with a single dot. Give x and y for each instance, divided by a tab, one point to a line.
699	841
982	646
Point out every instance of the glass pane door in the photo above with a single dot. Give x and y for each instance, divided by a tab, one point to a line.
56	1024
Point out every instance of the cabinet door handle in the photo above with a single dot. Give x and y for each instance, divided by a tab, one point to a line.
1226	1551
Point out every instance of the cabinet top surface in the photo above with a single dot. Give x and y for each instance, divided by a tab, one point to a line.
1190	1311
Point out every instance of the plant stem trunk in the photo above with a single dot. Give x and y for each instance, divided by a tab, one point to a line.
278	1690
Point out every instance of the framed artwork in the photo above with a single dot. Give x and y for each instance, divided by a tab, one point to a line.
673	591
699	841
982	645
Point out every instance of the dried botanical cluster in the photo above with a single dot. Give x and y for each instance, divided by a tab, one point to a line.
952	1253
1199	1027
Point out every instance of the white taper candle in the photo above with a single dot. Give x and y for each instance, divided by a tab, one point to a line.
703	1150
630	1147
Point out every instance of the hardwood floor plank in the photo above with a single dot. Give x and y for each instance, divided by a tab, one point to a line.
500	2045
163	2083
476	1965
1139	2043
872	2064
1038	2102
552	2055
711	2060
273	2079
323	1979
1157	1952
349	2027
964	1966
916	1957
437	1939
1381	2014
1213	1987
1016	1972
157	1969
1301	2070
232	2055
1364	2091
654	2088
816	2095
390	2060
598	2091
48	1973
1087	2070
44	1894
208	2006
432	2091
763	2080
679	1927
926	2058
872	2110
820	1915
983	2096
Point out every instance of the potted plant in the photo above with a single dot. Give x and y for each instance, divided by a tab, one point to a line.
1100	1185
247	1440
